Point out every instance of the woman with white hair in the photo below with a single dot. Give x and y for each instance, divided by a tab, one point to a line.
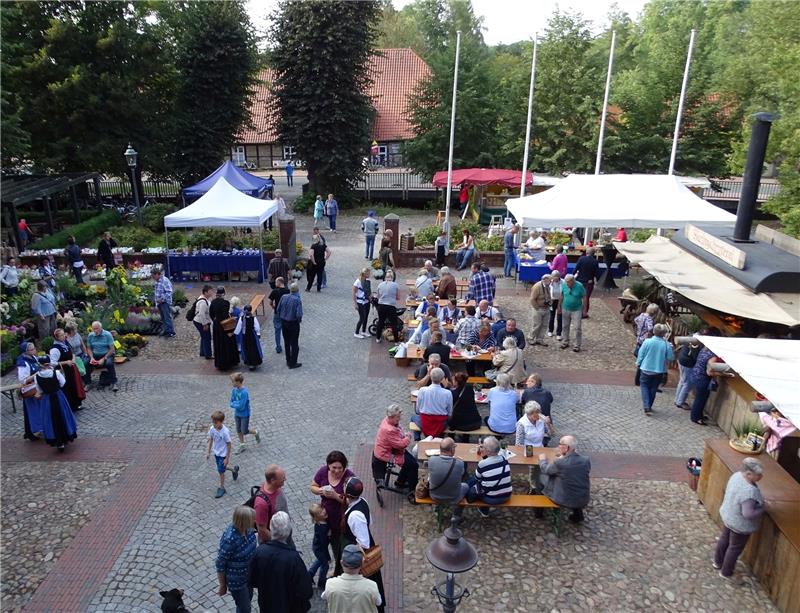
532	427
654	356
645	324
502	406
510	361
741	511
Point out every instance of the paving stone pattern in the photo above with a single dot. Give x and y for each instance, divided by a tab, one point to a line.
645	546
336	401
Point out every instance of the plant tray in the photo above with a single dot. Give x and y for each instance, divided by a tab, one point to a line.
745	447
120	360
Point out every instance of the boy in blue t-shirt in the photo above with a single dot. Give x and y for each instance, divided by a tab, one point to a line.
240	403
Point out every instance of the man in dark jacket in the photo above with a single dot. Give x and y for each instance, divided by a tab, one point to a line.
566	479
278	572
587	269
104	253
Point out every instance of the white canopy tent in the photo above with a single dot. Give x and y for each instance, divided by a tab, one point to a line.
223	206
770	366
681	271
630	201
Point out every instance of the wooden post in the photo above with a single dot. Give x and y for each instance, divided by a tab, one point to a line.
288	234
75	209
98	197
48	214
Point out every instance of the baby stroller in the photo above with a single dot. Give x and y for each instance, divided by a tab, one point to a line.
396	325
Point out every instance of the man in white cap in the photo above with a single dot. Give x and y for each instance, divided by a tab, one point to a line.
351	592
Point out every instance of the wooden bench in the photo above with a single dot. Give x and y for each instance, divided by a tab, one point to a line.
258	301
517	501
8	392
482	431
479	381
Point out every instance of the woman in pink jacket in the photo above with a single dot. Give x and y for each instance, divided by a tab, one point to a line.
559	262
391	442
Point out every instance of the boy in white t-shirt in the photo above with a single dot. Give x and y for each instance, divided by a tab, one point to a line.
219	440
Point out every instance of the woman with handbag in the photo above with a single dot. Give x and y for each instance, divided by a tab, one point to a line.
226	354
356	531
61	356
27	367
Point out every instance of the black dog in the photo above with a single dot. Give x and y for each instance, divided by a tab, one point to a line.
173	602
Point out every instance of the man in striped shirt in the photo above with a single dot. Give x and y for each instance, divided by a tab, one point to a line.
492	481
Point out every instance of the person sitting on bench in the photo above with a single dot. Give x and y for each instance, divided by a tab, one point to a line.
492	480
566	479
391	442
445	478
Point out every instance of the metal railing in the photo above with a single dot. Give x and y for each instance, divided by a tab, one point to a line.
122	189
732	190
402	182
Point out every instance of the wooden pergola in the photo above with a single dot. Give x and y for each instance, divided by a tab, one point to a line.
19	190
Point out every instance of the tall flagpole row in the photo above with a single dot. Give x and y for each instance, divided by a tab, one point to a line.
528	125
676	134
448	193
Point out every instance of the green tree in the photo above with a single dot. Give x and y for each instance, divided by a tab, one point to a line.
321	56
429	108
216	61
14	49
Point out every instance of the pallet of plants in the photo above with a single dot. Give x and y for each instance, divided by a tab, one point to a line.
748	437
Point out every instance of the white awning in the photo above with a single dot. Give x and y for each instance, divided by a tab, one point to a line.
629	201
681	271
223	206
769	366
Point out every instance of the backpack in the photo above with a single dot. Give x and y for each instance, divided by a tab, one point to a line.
193	309
255	492
688	356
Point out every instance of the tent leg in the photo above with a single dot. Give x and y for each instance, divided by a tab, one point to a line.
166	243
261	251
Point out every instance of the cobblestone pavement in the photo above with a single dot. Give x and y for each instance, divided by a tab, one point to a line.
335	401
44	505
630	554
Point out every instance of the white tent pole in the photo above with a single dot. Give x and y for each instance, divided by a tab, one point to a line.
676	133
605	104
166	242
448	194
528	125
261	249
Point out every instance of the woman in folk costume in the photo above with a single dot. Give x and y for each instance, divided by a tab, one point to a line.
61	356
226	354
27	367
250	331
58	422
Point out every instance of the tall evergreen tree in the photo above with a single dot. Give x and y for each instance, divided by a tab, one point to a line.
216	62
320	55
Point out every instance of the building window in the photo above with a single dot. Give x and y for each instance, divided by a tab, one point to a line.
238	157
288	152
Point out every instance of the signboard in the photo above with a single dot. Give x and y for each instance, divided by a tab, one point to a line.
715	246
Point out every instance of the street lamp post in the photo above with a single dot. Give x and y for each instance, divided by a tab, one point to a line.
132	157
451	554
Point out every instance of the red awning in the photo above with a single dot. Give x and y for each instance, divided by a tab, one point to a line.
483	176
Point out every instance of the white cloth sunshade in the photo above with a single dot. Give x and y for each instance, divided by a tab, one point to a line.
769	366
223	206
681	271
629	201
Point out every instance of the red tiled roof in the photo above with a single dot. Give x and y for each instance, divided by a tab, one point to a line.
395	72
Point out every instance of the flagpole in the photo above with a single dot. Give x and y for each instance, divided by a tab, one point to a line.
605	104
528	125
676	134
448	193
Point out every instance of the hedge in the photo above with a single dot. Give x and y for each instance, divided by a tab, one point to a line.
83	232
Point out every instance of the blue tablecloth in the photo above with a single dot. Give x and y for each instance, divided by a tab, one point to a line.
529	272
215	264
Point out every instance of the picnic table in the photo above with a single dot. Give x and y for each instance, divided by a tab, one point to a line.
411	302
468	452
414	323
416	353
8	392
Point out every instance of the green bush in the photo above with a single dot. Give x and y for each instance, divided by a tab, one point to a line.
153	216
475	229
427	236
641	235
209	238
305	203
65	216
133	236
489	243
83	232
559	239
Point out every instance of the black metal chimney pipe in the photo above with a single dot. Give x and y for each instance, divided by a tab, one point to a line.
753	167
